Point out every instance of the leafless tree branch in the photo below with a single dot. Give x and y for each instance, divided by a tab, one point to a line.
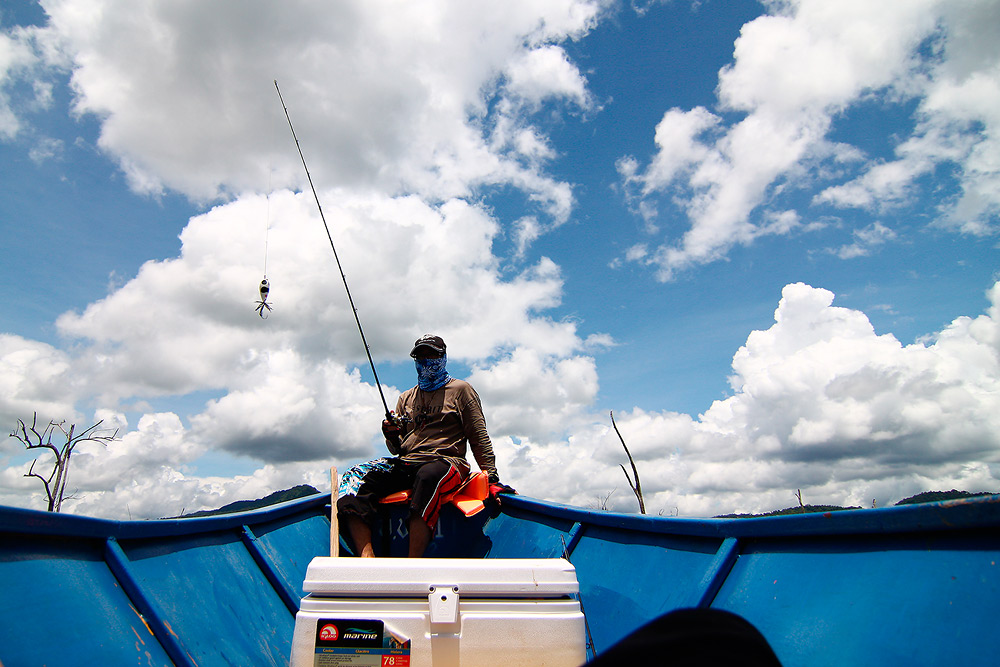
636	486
32	438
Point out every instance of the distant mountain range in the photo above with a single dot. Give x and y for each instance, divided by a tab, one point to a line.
925	497
247	505
306	490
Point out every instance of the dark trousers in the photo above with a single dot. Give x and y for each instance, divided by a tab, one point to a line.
429	483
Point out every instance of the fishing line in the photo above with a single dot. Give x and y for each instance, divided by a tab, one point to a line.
265	287
267	219
388	413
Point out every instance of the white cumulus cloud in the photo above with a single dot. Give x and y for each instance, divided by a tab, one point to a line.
795	72
821	403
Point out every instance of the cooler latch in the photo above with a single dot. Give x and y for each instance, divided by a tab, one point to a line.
443	601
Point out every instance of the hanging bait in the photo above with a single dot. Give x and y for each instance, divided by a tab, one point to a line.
265	289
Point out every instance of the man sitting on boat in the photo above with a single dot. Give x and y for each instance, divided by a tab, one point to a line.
434	424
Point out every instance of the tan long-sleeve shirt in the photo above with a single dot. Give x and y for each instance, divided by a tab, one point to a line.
443	424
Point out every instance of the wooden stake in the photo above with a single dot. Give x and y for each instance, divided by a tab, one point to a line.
334	524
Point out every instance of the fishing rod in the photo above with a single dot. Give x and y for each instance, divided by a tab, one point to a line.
388	413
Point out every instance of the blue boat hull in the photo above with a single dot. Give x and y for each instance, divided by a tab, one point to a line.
906	585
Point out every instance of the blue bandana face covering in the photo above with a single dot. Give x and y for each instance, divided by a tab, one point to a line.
431	373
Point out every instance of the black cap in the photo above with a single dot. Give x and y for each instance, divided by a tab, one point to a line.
435	343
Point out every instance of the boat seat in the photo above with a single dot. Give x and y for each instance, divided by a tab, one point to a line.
468	498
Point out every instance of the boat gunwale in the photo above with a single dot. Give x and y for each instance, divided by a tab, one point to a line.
39	522
949	515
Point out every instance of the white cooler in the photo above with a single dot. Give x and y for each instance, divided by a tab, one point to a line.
401	612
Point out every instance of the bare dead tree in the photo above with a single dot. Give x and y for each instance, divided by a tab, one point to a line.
636	486
32	438
602	502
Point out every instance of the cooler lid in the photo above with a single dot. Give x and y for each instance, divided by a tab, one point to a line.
414	577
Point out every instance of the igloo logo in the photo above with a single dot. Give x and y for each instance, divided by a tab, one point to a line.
329	633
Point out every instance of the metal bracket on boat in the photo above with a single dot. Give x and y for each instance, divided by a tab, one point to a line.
443	601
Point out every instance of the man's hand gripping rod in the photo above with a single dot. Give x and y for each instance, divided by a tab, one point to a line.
388	414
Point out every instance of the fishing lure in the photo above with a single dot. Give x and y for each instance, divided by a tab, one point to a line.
265	289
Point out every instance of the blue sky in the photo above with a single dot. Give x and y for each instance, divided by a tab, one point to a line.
762	236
